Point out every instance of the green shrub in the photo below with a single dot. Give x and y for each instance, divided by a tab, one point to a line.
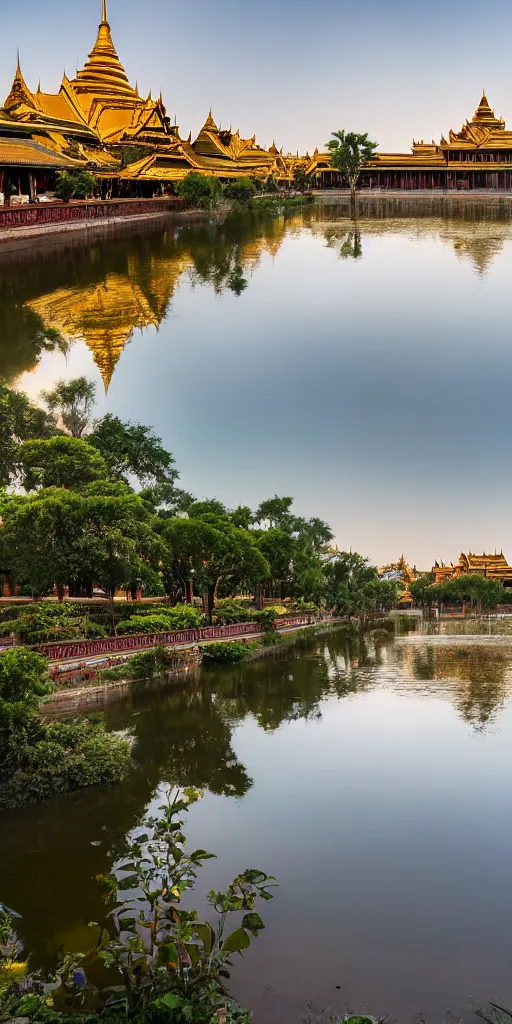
227	654
200	191
177	973
37	759
228	611
43	623
75	184
183	616
266	619
65	757
241	191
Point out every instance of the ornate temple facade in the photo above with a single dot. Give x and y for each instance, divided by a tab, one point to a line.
479	156
98	120
493	567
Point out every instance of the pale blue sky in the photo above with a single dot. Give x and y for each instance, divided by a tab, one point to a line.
288	69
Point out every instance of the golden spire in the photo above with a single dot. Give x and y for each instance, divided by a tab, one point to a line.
484	115
209	124
103	73
20	92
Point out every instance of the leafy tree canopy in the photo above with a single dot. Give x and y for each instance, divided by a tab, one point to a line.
75	185
73	401
350	152
19	421
60	462
131	449
200	191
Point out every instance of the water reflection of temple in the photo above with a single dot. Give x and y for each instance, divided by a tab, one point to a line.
475	677
103	294
104	291
106	314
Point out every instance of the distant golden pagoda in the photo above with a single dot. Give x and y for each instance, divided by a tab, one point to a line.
404	575
493	567
479	156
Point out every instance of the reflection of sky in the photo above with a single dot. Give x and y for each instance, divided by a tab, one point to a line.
392	854
284	68
376	391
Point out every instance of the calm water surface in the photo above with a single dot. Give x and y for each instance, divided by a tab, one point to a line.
356	369
372	778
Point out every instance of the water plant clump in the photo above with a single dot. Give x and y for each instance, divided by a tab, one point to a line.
168	965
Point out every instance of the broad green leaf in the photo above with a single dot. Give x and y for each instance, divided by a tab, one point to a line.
206	934
171	1000
252	922
236	942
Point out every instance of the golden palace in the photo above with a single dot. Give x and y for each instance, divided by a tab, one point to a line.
99	121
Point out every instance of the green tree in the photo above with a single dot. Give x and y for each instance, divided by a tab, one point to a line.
60	462
131	449
278	547
75	184
276	511
73	401
19	421
200	191
241	191
300	178
353	586
350	152
66	538
421	590
213	554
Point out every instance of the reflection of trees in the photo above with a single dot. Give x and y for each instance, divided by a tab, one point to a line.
23	339
475	679
185	735
478	679
349	241
274	695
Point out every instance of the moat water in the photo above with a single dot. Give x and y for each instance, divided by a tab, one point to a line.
355	367
364	369
371	778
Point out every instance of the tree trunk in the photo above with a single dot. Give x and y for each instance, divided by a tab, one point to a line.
60	592
210	600
353	199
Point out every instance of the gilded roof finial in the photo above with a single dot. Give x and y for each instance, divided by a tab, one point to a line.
104	12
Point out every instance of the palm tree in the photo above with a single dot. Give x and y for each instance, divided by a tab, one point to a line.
349	154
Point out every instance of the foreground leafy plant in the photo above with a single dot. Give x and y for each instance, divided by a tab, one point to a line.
164	955
171	965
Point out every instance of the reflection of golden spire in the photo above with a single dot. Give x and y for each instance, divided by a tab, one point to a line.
106	313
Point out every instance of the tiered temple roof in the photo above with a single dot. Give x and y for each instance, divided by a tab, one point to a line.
97	114
494	567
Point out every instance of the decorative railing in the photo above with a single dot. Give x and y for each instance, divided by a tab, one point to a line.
61	213
80	649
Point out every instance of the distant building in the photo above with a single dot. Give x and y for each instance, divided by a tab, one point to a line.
405	575
493	567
